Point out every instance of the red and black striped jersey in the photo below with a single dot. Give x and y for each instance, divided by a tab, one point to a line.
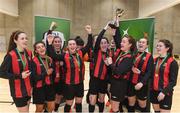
40	76
75	68
73	63
165	74
144	62
122	66
14	64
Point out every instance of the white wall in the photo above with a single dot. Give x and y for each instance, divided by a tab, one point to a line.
80	12
167	26
149	7
9	7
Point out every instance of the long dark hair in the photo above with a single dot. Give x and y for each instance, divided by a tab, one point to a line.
14	36
169	45
132	41
105	39
79	41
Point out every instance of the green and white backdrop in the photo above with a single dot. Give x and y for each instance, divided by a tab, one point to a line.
139	28
42	24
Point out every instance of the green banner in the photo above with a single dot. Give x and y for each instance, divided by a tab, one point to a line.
139	28
43	23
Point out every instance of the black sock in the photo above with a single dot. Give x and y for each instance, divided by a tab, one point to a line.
45	108
157	111
78	107
91	108
125	103
143	109
131	109
56	107
101	107
87	97
67	108
97	102
120	107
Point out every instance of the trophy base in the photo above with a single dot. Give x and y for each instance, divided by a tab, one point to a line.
112	26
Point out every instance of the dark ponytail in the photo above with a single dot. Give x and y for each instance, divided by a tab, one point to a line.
169	45
14	36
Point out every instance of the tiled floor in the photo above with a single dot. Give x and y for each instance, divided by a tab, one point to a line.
6	106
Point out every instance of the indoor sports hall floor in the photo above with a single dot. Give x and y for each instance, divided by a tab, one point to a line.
6	101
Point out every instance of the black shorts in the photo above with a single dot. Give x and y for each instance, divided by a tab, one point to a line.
21	102
74	90
164	104
118	89
43	94
97	86
59	87
140	94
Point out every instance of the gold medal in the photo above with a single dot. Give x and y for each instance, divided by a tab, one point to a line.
159	64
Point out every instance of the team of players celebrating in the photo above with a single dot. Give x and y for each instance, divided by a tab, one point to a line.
123	69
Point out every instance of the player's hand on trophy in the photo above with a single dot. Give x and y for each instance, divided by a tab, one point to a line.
50	39
88	29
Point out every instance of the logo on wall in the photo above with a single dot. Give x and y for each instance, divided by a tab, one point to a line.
55	33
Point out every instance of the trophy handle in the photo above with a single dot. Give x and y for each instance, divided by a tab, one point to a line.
119	12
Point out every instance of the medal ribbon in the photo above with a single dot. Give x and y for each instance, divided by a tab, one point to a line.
45	65
159	65
23	61
121	55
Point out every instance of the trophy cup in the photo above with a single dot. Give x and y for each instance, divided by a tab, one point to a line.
119	13
53	26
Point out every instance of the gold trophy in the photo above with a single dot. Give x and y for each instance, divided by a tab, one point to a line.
119	12
53	26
